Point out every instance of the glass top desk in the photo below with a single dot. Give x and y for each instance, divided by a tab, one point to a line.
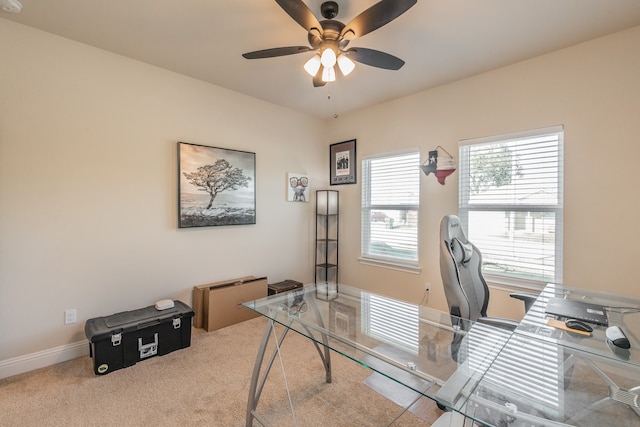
537	375
413	345
546	376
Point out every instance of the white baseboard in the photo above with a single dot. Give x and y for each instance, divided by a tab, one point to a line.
41	359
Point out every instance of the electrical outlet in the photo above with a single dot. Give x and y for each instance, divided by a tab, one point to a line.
70	316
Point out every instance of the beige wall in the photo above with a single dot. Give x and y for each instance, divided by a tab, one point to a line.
88	177
88	187
592	89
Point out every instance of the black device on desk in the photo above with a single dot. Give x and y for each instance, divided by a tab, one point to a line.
572	309
578	325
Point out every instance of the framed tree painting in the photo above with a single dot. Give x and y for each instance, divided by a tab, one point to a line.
342	163
216	186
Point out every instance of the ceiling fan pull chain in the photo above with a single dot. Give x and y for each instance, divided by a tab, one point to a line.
335	104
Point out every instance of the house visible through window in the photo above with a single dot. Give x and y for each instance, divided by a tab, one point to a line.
390	201
511	200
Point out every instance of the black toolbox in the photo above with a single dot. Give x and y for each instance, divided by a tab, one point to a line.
123	339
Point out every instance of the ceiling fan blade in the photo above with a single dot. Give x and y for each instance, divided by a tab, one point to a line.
317	79
374	58
301	14
375	17
276	51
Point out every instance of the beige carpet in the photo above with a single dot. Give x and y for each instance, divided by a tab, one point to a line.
205	385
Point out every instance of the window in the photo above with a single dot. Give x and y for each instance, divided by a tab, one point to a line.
511	196
390	201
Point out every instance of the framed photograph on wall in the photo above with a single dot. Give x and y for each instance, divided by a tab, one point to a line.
297	187
342	163
216	186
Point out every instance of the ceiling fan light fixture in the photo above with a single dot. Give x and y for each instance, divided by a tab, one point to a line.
346	65
313	65
329	38
329	74
328	58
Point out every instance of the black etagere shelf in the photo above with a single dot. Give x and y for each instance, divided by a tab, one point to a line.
326	250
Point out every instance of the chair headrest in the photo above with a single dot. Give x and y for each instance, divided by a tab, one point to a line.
452	233
451	227
462	252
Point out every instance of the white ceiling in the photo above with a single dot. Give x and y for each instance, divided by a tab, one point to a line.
440	40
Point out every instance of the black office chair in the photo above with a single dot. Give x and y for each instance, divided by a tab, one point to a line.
466	290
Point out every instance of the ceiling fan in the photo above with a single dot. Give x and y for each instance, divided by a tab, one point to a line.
329	38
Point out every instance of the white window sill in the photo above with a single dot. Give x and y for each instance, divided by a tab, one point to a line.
390	264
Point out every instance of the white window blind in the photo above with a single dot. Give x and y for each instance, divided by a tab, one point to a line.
511	201
390	202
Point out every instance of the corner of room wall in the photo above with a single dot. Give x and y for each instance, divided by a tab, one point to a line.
88	189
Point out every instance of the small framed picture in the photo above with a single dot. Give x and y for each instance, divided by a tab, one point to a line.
342	163
298	187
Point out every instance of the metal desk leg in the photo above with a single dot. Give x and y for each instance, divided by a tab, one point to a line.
326	357
629	397
255	390
258	382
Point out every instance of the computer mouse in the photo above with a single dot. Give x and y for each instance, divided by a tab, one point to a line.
616	336
578	324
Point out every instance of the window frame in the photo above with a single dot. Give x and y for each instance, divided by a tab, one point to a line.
396	263
508	281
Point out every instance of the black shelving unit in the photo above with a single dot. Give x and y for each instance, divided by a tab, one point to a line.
326	250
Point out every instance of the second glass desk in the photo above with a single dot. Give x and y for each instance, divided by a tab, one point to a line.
546	376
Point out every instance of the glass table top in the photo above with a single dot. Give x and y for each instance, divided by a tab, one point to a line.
548	376
414	345
535	375
621	311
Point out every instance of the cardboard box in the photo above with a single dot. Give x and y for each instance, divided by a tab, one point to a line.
220	304
199	297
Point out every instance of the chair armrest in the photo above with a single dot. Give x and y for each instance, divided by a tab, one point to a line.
499	322
526	297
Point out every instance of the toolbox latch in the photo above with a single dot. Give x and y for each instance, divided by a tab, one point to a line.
176	323
116	339
148	350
